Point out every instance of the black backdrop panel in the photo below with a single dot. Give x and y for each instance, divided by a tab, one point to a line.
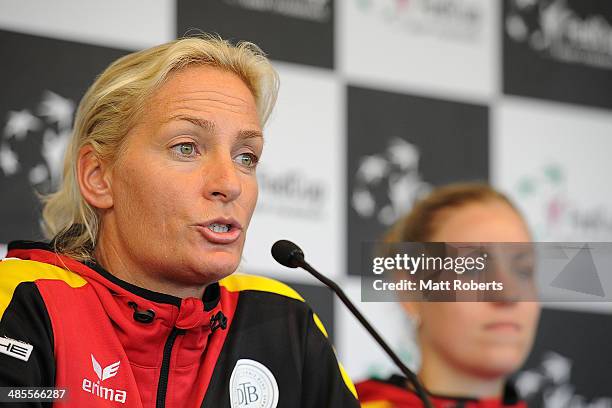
399	146
42	80
559	50
570	361
289	30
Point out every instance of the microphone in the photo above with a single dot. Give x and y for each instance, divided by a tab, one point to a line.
290	255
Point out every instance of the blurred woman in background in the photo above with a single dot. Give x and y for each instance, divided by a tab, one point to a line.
468	349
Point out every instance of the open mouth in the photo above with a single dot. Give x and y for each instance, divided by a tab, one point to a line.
220	231
220	227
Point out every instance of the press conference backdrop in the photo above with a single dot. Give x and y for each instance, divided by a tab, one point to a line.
380	101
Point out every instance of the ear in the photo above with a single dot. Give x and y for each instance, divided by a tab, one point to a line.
410	308
93	179
413	311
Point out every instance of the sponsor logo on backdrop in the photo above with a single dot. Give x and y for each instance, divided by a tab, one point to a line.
388	183
312	10
252	385
557	218
554	30
47	125
551	380
291	193
449	19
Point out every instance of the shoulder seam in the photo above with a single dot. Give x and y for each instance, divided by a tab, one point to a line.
244	282
40	270
14	272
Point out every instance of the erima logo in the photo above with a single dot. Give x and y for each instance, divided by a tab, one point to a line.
252	385
15	348
108	372
105	373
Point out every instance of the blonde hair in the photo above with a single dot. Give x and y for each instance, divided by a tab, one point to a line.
112	106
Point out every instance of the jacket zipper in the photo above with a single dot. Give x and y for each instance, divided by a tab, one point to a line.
162	385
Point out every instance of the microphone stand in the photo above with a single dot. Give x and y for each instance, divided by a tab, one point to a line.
420	391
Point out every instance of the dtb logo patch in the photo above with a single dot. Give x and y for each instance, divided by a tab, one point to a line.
252	385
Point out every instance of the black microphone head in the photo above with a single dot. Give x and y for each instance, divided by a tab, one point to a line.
287	253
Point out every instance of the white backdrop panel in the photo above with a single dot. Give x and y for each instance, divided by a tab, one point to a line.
301	183
449	49
554	161
133	24
360	354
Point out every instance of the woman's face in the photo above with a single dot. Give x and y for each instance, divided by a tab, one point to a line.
487	339
184	189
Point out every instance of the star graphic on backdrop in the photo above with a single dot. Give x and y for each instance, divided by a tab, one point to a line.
56	109
529	383
557	367
19	123
53	149
8	160
363	202
372	169
403	154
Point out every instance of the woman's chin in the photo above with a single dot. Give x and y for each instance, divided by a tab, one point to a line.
218	268
499	365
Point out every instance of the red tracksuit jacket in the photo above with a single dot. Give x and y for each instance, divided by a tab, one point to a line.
249	342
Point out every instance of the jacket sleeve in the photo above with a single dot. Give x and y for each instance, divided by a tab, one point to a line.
325	383
26	343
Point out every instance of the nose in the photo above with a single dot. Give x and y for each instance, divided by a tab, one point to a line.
222	179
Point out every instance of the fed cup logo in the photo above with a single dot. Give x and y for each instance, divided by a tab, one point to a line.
252	385
388	183
33	141
554	29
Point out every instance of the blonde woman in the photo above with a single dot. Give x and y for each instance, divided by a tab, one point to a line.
468	349
134	302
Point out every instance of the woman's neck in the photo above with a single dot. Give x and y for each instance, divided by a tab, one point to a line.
120	265
442	378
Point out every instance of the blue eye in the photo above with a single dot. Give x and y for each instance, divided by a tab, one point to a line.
247	160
